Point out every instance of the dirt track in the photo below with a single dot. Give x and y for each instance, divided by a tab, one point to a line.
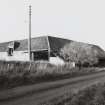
33	94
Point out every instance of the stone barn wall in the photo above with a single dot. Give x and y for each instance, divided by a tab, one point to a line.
17	56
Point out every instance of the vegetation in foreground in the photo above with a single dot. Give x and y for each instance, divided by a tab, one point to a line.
93	95
14	74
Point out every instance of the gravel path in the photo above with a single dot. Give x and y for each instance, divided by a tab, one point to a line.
34	94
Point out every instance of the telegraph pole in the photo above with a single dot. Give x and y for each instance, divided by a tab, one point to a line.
29	39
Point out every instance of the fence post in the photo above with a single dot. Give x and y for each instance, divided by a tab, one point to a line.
29	66
8	67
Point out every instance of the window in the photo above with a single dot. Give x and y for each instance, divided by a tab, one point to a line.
10	51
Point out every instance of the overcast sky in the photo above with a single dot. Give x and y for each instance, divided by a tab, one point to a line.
80	20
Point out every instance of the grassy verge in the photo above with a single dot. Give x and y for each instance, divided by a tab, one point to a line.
93	95
14	74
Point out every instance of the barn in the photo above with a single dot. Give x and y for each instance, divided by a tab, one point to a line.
42	48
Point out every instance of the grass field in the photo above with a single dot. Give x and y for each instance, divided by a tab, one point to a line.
14	74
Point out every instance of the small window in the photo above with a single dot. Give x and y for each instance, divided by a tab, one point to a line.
10	51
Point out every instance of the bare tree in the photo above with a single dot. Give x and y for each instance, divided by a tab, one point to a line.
80	53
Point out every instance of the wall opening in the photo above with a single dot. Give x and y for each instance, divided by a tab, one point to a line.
10	51
40	55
